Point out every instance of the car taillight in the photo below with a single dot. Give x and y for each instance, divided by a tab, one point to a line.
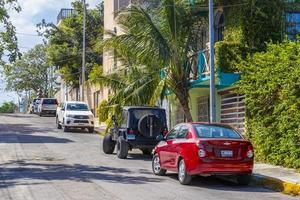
250	152
131	132
165	131
201	151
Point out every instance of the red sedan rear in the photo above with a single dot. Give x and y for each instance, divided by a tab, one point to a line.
204	149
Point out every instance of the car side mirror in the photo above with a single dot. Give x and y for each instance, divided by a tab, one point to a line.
62	109
160	138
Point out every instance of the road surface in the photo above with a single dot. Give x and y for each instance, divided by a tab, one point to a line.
39	162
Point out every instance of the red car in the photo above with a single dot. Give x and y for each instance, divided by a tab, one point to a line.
204	149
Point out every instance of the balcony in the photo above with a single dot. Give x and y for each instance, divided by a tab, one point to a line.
64	13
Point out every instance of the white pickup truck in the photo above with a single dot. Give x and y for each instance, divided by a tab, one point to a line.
74	114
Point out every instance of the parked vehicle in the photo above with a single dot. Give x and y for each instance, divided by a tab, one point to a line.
74	114
36	106
204	149
47	106
138	129
32	105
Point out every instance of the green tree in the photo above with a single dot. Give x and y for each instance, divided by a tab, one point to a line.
7	107
155	47
8	39
31	72
271	83
65	42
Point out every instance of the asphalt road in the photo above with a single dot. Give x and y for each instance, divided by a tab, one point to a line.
39	162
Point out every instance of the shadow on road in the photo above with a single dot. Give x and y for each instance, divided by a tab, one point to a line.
27	138
15	172
217	183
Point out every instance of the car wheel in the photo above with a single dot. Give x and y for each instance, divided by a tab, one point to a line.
91	130
244	179
157	170
108	144
65	128
183	177
58	124
122	148
146	151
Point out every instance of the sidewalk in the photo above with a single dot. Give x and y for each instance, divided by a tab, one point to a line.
99	128
277	178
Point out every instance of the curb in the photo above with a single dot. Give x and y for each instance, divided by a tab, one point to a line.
99	132
277	184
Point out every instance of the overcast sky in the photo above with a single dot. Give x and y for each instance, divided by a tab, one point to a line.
33	11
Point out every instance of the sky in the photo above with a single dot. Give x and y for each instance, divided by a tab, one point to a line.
33	11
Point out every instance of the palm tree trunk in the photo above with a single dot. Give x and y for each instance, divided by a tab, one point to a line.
183	98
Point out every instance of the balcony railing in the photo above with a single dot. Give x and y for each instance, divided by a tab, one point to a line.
64	13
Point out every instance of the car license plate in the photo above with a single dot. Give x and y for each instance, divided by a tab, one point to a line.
81	124
130	137
226	153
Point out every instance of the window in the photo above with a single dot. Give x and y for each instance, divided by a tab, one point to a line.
172	134
209	131
49	101
292	24
183	132
77	107
219	26
203	111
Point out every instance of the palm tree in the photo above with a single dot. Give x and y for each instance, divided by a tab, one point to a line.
155	51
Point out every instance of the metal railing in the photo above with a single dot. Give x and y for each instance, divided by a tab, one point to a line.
64	13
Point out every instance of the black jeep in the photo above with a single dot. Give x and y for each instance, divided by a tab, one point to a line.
138	130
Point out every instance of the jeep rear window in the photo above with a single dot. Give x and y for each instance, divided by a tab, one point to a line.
138	114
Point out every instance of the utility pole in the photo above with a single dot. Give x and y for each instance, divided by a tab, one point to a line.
212	62
83	51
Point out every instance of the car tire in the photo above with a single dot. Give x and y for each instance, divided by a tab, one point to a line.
146	151
91	130
244	179
58	125
108	144
156	168
65	128
183	177
122	148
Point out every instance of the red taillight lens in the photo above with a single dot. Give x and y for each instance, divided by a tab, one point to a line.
131	132
165	131
201	151
250	152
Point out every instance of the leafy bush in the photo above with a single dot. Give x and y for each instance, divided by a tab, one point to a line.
229	55
271	82
102	111
8	107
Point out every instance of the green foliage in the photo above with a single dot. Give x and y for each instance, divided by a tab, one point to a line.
229	55
65	42
7	107
8	39
103	111
271	82
262	22
155	39
30	72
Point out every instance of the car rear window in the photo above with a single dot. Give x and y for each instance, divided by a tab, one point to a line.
49	101
77	107
210	131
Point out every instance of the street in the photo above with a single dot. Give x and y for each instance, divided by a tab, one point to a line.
39	162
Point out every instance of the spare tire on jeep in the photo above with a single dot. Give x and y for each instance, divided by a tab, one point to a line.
150	126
